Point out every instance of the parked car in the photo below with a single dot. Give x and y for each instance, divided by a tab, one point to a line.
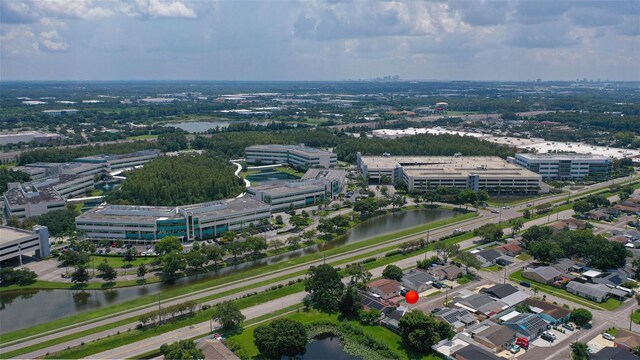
435	310
404	292
515	349
495	211
568	326
608	336
549	334
547	338
525	284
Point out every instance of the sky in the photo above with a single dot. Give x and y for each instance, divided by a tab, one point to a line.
283	40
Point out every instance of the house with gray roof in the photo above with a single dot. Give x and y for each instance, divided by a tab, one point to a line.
473	352
491	335
566	265
542	274
417	280
594	292
488	257
481	304
458	318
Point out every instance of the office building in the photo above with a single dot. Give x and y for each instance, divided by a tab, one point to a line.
42	170
295	193
29	136
298	156
333	180
14	243
190	222
122	161
68	185
26	200
422	173
567	167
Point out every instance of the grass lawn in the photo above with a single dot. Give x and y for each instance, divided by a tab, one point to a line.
464	280
206	283
118	261
610	304
636	317
492	268
142	137
391	339
523	257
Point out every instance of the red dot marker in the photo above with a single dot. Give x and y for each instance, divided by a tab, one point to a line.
412	297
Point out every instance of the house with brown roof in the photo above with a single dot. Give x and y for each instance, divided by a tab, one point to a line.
445	272
627	207
627	340
385	288
510	249
214	349
493	336
620	239
552	313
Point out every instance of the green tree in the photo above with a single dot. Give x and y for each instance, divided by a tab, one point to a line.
183	349
325	286
526	214
469	260
168	244
420	332
107	272
23	276
489	232
172	263
228	314
196	259
213	253
130	255
281	337
579	351
359	274
81	275
350	302
581	207
142	271
516	225
370	317
546	251
581	317
446	251
256	244
392	272
535	233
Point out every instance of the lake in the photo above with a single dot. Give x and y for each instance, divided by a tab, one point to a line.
267	176
325	347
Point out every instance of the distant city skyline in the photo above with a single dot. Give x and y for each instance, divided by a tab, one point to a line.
319	40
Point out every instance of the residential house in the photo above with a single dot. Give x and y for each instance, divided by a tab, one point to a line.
472	352
620	239
385	288
558	227
542	274
575	224
369	301
566	265
510	249
613	353
417	280
551	313
599	215
627	340
487	257
445	272
493	336
611	278
215	349
458	318
594	292
480	304
527	325
628	207
392	320
507	294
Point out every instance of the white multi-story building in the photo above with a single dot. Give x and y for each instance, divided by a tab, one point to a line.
316	185
122	161
422	173
25	200
18	242
295	155
567	166
190	222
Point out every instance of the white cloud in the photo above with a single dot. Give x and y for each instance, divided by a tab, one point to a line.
52	42
18	41
79	9
158	8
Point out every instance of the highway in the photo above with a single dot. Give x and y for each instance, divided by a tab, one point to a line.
486	217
